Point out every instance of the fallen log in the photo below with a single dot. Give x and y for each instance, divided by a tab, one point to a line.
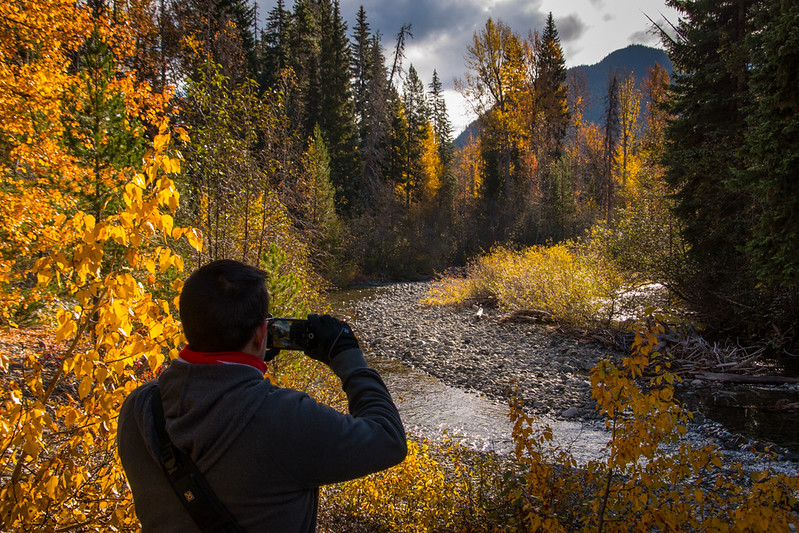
743	378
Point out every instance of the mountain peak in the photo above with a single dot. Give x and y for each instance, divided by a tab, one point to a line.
635	59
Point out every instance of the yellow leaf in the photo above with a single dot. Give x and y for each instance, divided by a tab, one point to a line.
85	386
160	141
184	136
50	486
194	240
156	329
66	326
167	222
154	360
89	221
31	447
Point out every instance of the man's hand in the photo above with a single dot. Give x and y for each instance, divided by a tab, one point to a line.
333	336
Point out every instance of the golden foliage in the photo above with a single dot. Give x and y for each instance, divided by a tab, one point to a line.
571	283
58	429
93	245
436	488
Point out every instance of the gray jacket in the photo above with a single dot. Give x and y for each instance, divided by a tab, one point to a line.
264	450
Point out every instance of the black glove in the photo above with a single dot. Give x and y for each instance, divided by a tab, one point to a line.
332	336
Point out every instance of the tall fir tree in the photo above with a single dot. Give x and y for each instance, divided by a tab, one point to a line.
361	67
305	59
99	131
376	125
337	114
415	112
607	184
440	119
703	153
551	93
772	179
273	48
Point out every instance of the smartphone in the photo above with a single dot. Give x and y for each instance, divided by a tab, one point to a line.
289	334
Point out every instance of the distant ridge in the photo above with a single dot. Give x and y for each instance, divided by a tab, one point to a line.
635	58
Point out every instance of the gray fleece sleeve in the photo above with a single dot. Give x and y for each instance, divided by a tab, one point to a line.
322	445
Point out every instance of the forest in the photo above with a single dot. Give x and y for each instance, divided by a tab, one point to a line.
142	138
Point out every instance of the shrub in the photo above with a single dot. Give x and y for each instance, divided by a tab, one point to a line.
574	284
439	487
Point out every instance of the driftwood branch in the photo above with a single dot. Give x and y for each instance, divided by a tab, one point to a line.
743	378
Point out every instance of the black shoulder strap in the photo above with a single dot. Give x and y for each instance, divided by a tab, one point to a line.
190	486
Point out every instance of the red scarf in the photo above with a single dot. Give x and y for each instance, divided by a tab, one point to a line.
222	358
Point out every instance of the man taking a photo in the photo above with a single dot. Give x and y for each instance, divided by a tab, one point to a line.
262	450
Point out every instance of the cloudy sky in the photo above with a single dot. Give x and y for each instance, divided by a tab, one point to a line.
589	30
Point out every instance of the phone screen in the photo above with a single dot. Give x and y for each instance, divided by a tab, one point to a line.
288	334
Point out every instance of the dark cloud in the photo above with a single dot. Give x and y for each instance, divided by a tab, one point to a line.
570	28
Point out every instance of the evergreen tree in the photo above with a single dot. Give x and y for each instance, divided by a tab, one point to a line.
274	46
361	67
305	59
773	149
441	122
415	111
98	128
337	114
607	185
376	125
446	151
703	153
551	92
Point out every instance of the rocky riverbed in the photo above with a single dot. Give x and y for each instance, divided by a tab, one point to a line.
472	348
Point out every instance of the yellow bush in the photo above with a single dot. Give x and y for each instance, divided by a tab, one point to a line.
434	489
572	283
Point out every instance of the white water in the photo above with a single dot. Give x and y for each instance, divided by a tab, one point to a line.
433	410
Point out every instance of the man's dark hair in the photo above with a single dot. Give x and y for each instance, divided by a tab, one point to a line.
222	304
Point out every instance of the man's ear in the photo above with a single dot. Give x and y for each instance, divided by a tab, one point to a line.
257	343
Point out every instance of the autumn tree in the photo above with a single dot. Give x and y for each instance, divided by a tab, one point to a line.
219	32
92	239
629	102
492	86
654	88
